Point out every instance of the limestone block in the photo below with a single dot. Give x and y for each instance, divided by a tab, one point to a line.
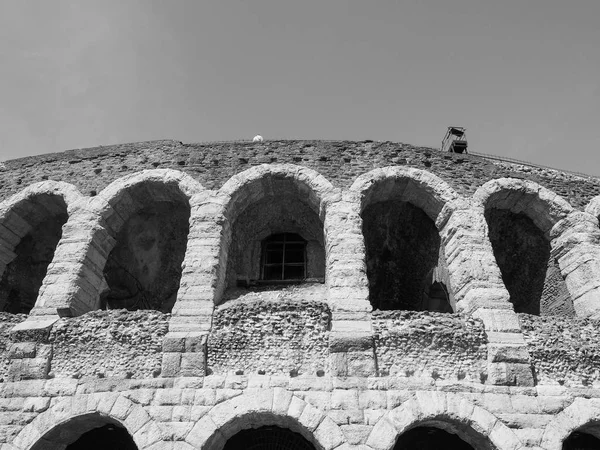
328	434
165	397
136	419
282	399
202	431
356	434
383	435
147	435
20	350
344	399
171	364
372	399
501	434
346	416
310	418
510	374
296	407
498	320
508	353
121	408
174	431
192	364
174	342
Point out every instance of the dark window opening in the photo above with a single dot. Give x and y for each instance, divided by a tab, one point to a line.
284	257
268	438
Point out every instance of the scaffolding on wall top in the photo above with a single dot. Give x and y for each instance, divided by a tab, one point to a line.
455	140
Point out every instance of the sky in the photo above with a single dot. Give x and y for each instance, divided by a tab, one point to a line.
523	76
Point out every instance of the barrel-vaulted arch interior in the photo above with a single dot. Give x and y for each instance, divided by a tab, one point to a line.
143	267
275	229
406	264
30	232
519	226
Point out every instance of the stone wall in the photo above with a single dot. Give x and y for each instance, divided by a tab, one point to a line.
565	353
341	162
7	322
277	337
430	346
311	358
117	343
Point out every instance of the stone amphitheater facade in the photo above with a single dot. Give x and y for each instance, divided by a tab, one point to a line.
433	298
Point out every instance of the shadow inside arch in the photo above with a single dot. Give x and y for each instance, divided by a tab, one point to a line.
87	432
280	431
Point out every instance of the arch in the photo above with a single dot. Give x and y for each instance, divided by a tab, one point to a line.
593	207
254	184
581	415
542	206
277	407
31	224
97	408
447	411
419	187
266	200
400	208
520	215
147	217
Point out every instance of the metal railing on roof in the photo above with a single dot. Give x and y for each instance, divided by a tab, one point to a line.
530	164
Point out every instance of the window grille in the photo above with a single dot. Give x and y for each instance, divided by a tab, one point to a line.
284	257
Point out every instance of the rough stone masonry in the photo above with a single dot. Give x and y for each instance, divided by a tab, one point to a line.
296	295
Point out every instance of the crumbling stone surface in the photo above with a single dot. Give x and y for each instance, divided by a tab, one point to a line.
563	352
430	345
144	268
115	343
341	162
273	337
7	322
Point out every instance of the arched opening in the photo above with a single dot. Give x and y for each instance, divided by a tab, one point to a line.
430	438
276	239
531	276
29	236
268	438
90	432
579	440
405	258
143	269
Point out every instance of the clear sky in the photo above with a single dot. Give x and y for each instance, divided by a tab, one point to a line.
522	75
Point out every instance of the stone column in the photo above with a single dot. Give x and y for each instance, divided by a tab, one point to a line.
351	345
202	284
479	291
75	277
575	243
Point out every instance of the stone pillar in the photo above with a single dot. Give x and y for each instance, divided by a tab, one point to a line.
575	243
202	284
75	277
479	291
351	339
